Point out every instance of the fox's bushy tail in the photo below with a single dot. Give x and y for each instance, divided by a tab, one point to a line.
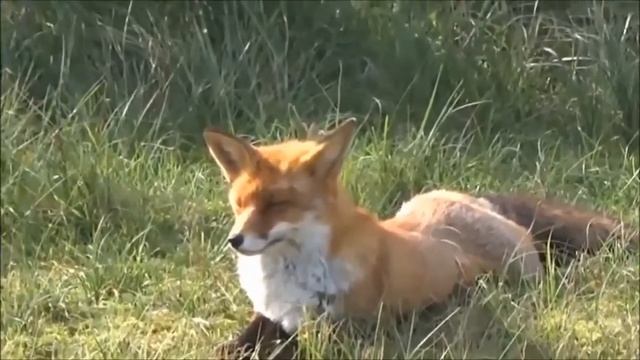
568	229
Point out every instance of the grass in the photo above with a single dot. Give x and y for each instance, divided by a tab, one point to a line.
113	215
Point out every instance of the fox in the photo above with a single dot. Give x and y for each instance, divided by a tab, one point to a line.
302	244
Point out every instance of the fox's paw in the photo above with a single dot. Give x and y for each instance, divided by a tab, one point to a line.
283	351
232	350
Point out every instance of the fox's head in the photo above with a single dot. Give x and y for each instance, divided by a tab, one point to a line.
285	193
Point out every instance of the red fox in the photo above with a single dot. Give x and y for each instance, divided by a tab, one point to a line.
303	244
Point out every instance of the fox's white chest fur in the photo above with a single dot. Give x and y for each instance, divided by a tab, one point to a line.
283	283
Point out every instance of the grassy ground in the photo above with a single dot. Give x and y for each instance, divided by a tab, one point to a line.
113	215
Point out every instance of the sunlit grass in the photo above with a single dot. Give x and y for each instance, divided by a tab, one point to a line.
113	215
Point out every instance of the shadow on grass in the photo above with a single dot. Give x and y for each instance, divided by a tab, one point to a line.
473	324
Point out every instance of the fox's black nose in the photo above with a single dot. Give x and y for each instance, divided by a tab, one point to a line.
236	240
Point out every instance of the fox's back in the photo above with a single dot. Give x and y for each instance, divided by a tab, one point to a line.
443	239
469	220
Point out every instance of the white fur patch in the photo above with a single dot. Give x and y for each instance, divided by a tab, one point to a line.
252	244
406	208
291	276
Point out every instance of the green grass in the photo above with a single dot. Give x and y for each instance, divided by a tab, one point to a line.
113	216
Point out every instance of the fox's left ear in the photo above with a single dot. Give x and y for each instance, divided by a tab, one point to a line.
328	158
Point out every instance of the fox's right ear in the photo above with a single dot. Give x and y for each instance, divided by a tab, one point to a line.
233	155
327	159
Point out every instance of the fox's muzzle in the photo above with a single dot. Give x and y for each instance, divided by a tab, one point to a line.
236	241
250	244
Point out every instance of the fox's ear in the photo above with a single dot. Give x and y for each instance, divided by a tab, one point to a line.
328	158
233	155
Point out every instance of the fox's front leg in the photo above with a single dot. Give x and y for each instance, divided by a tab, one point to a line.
262	333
